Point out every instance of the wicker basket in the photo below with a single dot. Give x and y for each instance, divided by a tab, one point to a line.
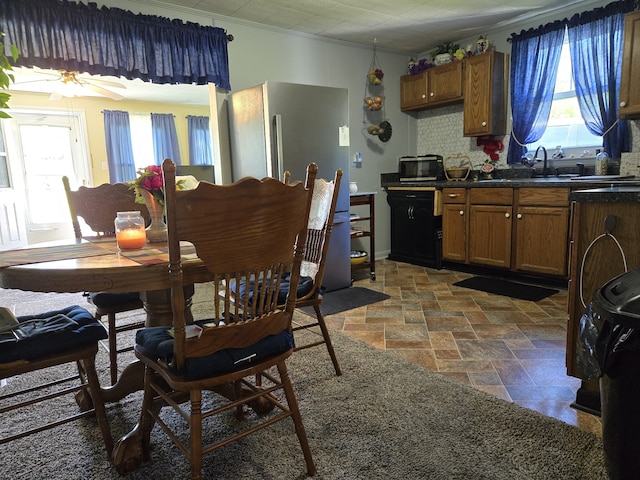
459	172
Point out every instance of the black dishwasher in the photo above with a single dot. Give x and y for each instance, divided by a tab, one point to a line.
416	226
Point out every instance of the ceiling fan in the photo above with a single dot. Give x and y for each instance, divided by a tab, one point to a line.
70	84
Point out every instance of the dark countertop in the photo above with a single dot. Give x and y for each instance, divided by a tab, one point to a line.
612	194
391	180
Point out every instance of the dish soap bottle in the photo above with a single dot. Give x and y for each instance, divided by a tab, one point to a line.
602	162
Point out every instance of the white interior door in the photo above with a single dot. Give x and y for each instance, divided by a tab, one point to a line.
43	147
13	230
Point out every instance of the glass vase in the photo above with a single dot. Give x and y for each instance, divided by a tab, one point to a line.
157	230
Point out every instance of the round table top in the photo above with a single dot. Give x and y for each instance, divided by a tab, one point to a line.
112	271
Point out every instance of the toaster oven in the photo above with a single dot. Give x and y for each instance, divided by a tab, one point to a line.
421	169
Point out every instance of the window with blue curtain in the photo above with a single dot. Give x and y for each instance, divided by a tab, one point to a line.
199	140
165	138
534	65
117	134
595	42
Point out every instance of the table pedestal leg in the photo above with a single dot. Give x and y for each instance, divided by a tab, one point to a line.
157	304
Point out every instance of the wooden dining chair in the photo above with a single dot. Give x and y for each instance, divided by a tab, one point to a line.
309	291
38	343
98	206
251	229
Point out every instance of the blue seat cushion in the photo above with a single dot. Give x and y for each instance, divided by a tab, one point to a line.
51	333
305	284
156	342
110	300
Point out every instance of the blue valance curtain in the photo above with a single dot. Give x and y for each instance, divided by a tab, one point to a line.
165	138
534	68
65	35
596	40
117	133
199	140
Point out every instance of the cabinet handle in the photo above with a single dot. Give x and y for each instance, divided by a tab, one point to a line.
623	104
507	215
484	124
424	96
519	216
431	94
461	212
452	195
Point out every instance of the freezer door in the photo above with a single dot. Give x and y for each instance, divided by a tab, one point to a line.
305	122
337	272
249	132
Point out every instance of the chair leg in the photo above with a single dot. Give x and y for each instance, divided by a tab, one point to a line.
297	418
89	367
195	434
327	339
113	349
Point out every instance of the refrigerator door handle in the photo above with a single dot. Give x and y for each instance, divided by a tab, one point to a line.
278	143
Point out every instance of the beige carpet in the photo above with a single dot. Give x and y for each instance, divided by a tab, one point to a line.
384	418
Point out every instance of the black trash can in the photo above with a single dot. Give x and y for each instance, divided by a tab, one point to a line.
618	352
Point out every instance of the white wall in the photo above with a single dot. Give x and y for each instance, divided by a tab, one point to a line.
260	53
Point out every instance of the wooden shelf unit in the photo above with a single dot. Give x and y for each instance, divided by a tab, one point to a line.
358	199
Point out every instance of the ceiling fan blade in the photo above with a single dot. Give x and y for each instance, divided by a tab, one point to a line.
103	91
103	83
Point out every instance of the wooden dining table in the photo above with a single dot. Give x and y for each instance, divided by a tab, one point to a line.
80	266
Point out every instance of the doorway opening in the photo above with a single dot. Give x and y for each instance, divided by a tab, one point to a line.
42	147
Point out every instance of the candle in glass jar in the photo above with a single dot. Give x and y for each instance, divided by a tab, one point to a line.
131	238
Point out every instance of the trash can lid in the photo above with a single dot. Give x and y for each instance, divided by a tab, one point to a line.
618	301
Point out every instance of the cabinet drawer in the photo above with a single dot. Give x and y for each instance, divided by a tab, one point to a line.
454	195
491	196
553	197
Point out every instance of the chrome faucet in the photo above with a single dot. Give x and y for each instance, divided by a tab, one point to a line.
544	165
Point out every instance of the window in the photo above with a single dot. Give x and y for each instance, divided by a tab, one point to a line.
566	126
141	139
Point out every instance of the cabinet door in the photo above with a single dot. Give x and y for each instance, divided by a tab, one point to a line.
445	83
454	232
541	240
401	226
424	230
485	102
629	92
413	91
490	235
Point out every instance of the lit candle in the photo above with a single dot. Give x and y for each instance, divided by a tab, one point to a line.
131	238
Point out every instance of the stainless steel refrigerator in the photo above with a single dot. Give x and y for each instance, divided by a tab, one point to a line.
275	127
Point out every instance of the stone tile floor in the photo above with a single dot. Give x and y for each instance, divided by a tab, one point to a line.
510	348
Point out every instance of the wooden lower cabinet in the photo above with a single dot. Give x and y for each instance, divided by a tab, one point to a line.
454	224
520	229
542	230
490	235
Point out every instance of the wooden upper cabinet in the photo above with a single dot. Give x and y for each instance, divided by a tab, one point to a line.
485	94
413	91
435	86
629	92
445	83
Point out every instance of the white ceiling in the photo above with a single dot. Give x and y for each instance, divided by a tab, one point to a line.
410	26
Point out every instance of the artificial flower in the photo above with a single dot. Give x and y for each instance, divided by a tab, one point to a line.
151	179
